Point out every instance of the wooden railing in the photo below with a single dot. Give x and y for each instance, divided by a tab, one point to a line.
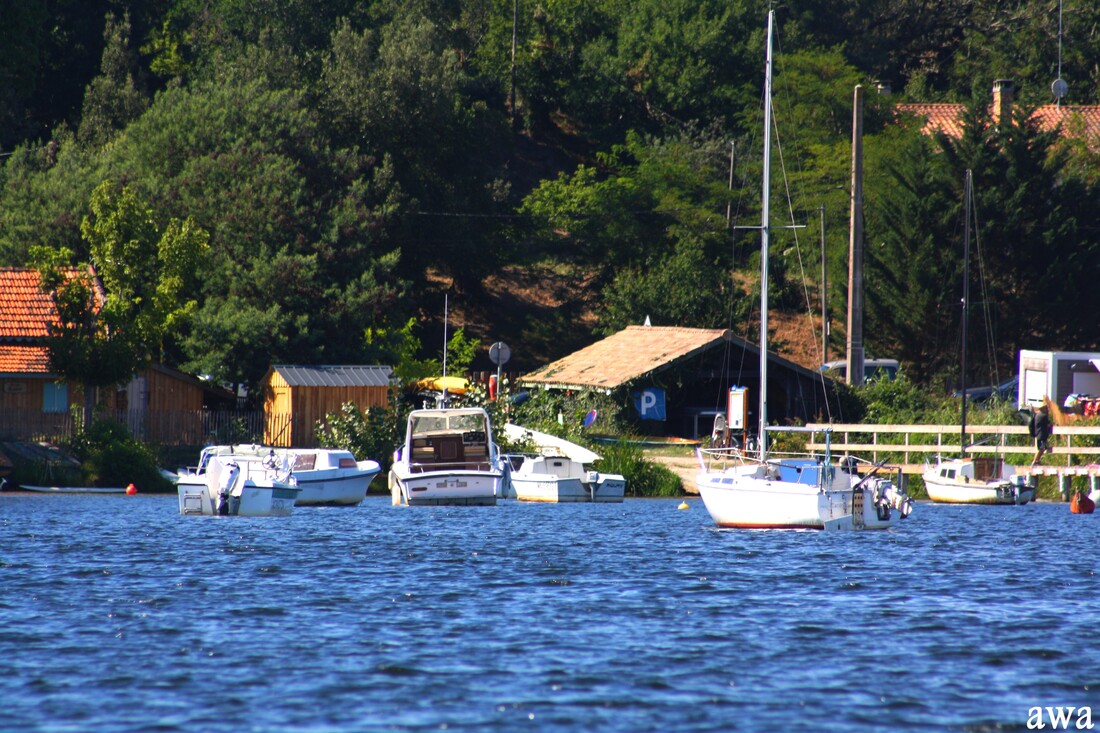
911	446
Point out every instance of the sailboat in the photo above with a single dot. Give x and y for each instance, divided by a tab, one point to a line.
773	492
971	479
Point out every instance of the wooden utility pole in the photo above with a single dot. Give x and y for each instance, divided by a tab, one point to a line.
855	247
515	33
824	295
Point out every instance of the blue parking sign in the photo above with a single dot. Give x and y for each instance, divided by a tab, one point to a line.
650	403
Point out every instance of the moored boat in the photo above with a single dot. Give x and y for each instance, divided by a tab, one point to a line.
555	478
326	477
448	457
231	488
977	480
770	491
557	472
969	479
797	492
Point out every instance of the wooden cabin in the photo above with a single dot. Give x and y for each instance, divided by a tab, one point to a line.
297	397
159	404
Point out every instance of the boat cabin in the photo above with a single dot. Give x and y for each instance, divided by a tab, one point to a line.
448	440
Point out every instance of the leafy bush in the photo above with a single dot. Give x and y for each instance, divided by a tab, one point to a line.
643	478
111	456
370	434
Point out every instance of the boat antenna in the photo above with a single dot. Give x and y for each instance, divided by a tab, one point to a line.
967	194
444	350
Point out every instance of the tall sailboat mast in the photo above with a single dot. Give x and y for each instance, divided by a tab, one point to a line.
765	203
967	196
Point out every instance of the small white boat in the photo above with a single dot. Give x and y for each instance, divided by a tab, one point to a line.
231	488
325	476
448	457
558	472
552	478
73	489
977	480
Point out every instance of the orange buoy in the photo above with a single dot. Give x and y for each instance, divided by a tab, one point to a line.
1082	504
131	490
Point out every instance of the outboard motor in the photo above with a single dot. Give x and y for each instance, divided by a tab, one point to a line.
225	488
592	478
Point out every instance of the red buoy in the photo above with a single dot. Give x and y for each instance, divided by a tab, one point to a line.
131	489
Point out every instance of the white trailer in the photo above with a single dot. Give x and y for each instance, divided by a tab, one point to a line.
1057	374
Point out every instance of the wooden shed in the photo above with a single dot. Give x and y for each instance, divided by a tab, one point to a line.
678	379
296	397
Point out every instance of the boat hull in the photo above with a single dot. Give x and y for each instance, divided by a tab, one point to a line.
336	487
547	488
608	488
251	500
435	488
951	493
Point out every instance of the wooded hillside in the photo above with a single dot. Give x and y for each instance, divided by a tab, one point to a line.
300	182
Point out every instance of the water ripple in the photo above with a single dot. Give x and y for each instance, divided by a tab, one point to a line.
119	615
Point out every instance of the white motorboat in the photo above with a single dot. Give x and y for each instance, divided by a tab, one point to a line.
557	472
448	457
331	477
977	480
772	492
230	488
552	478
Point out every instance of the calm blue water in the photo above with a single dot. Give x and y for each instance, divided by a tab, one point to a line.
118	614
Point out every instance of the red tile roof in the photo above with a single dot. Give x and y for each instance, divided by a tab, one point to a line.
23	359
1077	121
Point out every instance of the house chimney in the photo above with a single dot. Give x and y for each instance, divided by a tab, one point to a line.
1002	101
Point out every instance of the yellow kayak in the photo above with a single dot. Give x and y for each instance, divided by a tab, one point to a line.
453	385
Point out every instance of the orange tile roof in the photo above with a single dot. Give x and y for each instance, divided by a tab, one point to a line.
26	313
22	359
1077	121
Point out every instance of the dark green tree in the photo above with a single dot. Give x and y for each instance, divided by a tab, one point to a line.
113	99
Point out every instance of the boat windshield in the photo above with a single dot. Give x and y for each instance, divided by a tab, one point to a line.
456	422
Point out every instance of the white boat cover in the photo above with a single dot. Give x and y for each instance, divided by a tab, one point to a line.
551	444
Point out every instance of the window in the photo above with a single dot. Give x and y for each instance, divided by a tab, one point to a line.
55	397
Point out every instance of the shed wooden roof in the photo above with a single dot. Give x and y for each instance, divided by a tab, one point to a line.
626	356
335	375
